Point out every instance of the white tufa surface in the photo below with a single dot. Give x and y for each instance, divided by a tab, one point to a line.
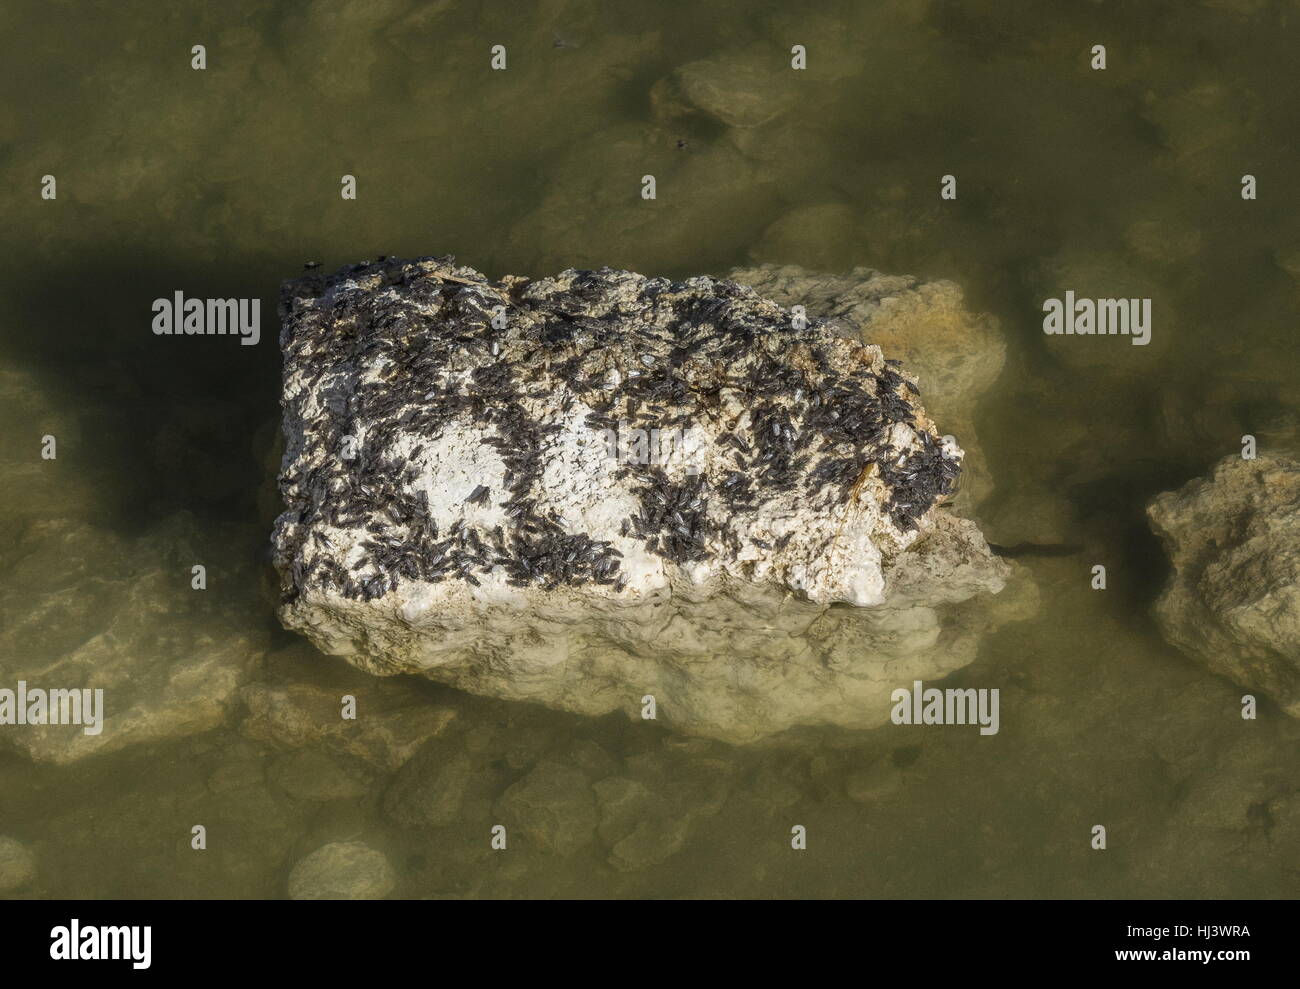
806	475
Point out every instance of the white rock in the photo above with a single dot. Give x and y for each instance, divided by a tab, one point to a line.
455	509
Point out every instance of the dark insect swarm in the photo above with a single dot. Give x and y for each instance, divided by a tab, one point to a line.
812	429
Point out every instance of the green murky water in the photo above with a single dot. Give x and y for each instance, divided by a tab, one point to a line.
222	182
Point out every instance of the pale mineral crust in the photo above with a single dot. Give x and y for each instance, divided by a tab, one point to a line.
467	497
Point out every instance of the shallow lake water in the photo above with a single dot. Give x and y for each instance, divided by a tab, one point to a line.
222	182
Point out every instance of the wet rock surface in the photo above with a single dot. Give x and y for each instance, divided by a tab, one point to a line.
1234	599
466	499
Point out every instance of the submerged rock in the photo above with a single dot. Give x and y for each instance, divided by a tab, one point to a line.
32	487
647	816
387	730
342	870
587	489
650	842
743	89
430	790
312	775
17	865
553	807
875	783
1234	599
87	610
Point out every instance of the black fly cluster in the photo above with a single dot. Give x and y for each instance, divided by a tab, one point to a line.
674	518
418	351
922	479
424	373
